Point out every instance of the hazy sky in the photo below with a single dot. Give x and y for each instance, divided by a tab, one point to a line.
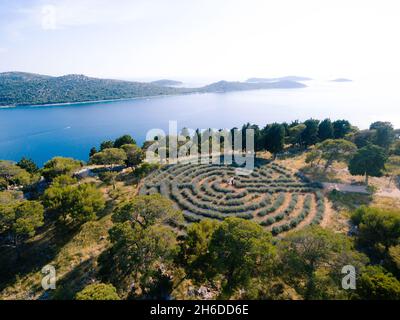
212	39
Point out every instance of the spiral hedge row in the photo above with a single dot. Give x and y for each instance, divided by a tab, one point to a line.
271	194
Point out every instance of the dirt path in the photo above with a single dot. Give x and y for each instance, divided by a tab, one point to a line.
389	192
328	219
345	187
382	192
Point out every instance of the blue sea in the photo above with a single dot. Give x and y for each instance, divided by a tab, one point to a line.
42	132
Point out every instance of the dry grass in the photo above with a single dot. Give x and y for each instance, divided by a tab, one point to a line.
386	203
87	244
74	258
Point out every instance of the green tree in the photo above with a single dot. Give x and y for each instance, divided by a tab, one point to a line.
385	134
7	215
378	229
240	250
79	203
295	134
3	184
134	155
396	148
106	145
197	135
257	137
28	165
110	156
12	175
64	180
138	254
392	168
125	139
325	130
60	166
363	138
376	284
98	291
92	152
393	261
313	156
58	196
368	161
21	219
145	168
242	132
336	150
274	137
312	259
7	197
148	210
86	202
259	140
341	128
109	177
309	136
194	249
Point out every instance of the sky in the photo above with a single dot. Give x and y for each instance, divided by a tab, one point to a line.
208	39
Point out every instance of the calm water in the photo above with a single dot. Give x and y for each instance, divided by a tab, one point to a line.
44	132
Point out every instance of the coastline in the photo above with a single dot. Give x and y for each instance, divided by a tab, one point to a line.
60	104
189	92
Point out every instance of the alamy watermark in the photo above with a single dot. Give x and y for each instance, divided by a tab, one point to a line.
349	280
202	147
50	277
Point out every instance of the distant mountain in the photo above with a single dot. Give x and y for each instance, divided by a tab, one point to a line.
167	83
341	80
226	86
287	78
19	88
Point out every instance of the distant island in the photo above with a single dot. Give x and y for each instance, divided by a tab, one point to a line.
20	88
287	78
226	86
167	83
341	80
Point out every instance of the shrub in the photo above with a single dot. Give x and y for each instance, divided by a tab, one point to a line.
98	291
278	202
319	215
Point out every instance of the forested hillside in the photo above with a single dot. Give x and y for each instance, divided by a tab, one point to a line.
23	88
